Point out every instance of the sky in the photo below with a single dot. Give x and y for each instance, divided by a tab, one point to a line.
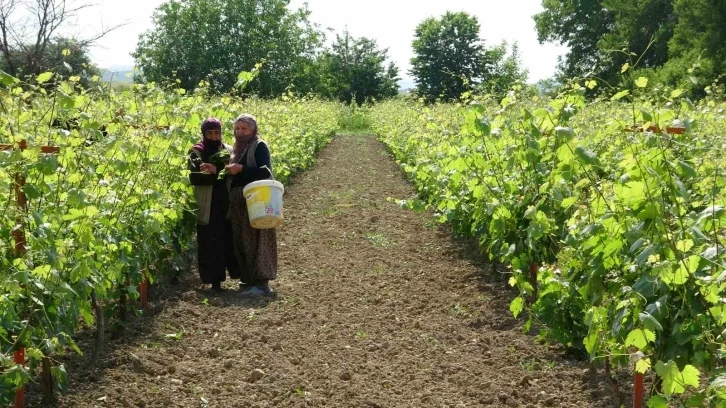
390	22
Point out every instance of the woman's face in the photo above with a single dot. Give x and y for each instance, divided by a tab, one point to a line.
243	129
213	135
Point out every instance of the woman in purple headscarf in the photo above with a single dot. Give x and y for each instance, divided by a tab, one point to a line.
214	231
255	249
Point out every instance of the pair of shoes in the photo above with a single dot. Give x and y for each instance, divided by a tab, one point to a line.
217	287
258	290
267	291
245	286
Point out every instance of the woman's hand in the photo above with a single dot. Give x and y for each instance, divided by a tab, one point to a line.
234	169
208	168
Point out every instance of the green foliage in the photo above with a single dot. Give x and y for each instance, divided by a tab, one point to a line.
354	119
213	40
692	74
506	69
698	47
640	27
679	43
219	160
62	56
601	34
107	209
451	60
548	87
449	56
354	70
700	27
625	227
578	24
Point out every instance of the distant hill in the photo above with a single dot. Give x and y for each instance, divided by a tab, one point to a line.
118	74
406	84
124	74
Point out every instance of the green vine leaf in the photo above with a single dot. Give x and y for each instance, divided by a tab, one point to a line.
657	401
650	322
640	338
643	365
517	306
674	380
641	82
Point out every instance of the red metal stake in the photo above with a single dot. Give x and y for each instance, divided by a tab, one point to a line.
638	391
655	129
19	358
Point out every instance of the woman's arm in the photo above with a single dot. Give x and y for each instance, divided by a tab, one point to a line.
196	177
263	159
250	174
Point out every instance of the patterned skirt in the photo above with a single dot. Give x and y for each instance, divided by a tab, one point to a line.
255	249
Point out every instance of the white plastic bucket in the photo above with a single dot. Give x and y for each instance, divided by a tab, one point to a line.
264	203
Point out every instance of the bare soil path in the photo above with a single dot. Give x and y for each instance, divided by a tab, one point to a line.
377	307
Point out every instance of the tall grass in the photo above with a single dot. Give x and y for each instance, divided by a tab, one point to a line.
354	119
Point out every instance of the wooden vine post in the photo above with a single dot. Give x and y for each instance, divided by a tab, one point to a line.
144	289
533	272
20	248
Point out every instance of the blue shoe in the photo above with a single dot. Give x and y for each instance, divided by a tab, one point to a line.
258	291
253	291
267	291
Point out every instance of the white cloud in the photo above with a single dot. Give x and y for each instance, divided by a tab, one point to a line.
390	22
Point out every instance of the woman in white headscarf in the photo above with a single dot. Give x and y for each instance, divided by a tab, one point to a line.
255	249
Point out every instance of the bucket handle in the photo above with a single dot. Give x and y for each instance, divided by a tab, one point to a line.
272	175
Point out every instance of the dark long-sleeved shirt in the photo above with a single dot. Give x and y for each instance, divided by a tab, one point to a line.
251	174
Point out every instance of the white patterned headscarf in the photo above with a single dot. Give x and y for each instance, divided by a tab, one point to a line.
240	143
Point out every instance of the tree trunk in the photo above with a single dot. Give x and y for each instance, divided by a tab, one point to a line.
122	301
100	329
49	399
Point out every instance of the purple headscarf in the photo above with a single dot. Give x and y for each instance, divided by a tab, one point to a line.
207	146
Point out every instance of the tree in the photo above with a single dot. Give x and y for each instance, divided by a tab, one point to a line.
696	50
63	56
643	28
700	33
578	24
355	70
214	40
30	45
674	42
506	69
701	26
547	87
450	58
605	34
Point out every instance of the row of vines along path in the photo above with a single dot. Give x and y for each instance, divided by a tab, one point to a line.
377	306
